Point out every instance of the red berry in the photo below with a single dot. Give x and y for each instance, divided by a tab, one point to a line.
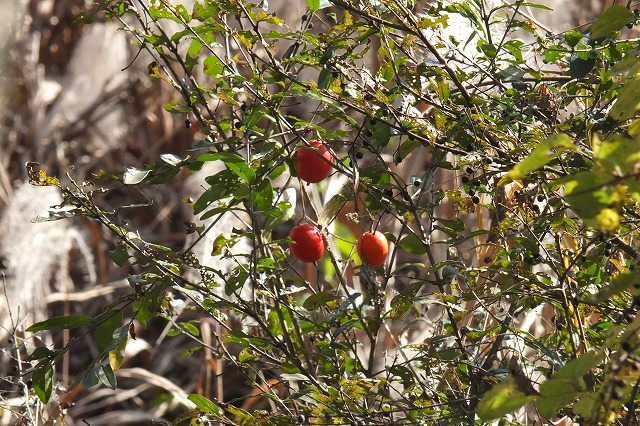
314	165
308	245
373	248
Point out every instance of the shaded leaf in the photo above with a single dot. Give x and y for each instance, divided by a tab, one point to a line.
331	209
412	244
318	300
105	329
613	19
324	78
627	101
119	255
106	376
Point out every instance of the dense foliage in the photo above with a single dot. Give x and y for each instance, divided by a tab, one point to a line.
503	174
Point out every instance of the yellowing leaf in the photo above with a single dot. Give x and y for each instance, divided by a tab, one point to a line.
116	356
593	197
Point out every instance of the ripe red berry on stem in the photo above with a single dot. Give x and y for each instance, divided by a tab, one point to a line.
373	248
314	165
308	245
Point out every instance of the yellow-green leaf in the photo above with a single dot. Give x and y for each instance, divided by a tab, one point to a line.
628	101
542	154
116	356
502	399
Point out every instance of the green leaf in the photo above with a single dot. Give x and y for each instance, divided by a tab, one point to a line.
266	263
315	5
401	303
628	67
318	300
619	284
399	306
613	19
146	307
104	331
42	379
183	13
380	133
61	322
573	37
412	244
119	255
190	328
581	67
241	169
263	196
502	399
213	66
555	394
406	148
577	368
324	78
90	379
627	101
106	376
591	195
205	405
566	383
245	416
41	352
586	403
542	154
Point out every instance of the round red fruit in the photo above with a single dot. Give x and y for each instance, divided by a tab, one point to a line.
373	248
307	245
314	164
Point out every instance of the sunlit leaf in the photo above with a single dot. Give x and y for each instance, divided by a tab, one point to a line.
542	154
204	404
116	355
619	284
315	5
133	176
502	399
591	195
42	379
61	322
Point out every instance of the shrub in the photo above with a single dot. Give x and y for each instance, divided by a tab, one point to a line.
507	187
